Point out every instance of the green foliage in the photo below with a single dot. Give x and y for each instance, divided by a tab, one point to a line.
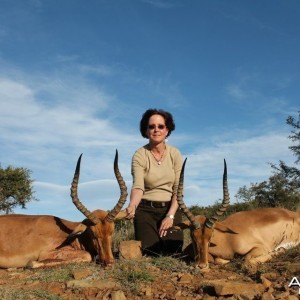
211	210
15	188
278	191
239	206
283	188
295	136
291	172
200	210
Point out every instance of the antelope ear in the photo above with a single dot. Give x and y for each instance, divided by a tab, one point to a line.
183	225
121	215
223	228
78	230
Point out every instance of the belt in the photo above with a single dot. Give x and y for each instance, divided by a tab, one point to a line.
155	204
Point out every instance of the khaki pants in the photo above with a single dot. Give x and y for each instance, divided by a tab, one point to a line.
146	225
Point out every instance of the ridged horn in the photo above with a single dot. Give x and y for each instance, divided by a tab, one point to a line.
74	195
181	204
123	190
225	203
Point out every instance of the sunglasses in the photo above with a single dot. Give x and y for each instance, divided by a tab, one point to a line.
160	126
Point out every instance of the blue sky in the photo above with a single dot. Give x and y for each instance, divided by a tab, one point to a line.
76	76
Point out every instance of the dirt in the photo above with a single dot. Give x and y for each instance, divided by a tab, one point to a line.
163	278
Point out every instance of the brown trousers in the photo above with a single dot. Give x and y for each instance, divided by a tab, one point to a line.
146	225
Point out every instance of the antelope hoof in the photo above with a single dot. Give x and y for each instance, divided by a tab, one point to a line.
203	267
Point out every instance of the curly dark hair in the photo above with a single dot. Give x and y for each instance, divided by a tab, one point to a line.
153	111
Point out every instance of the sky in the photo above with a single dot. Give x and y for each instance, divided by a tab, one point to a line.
76	77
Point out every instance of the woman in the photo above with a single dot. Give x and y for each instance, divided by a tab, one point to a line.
156	170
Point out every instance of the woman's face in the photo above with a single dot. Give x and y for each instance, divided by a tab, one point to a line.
157	130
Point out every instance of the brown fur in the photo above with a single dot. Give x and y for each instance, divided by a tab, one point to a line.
36	241
257	235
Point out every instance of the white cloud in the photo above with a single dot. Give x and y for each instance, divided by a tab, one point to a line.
160	3
96	194
47	121
247	162
236	92
97	70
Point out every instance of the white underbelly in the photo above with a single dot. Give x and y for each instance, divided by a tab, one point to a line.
287	245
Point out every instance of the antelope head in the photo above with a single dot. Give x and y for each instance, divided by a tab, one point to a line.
98	227
201	228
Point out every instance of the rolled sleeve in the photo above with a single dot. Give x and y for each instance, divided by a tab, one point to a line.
137	171
177	168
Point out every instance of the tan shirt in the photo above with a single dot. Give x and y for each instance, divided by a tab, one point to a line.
159	182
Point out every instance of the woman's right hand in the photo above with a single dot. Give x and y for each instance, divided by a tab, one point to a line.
135	198
130	212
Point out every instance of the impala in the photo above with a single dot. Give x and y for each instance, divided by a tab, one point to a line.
257	235
45	240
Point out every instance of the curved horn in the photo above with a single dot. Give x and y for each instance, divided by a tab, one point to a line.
181	204
225	203
75	198
123	189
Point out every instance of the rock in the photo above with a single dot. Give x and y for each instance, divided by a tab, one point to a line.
118	295
90	292
148	292
293	297
223	288
267	283
81	274
101	284
270	276
207	297
106	296
185	279
267	296
130	249
249	295
56	288
283	295
293	268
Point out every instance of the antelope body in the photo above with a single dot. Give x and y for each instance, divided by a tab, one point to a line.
37	240
257	235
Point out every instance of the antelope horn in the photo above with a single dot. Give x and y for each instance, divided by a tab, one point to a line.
123	189
75	198
225	203
181	204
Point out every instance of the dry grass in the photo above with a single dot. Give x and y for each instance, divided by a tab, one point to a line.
132	275
18	294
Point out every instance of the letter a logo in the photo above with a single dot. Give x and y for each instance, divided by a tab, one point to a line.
294	282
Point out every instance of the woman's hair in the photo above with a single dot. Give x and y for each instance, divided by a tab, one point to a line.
153	111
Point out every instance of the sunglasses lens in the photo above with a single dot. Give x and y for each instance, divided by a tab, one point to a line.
160	126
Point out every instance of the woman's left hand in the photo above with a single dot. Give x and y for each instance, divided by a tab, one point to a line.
164	226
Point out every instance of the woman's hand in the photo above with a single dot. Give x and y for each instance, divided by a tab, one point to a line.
130	212
166	223
135	198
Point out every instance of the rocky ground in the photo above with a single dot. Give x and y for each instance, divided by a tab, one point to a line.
159	278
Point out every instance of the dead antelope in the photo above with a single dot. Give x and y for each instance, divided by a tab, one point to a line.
46	240
258	235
